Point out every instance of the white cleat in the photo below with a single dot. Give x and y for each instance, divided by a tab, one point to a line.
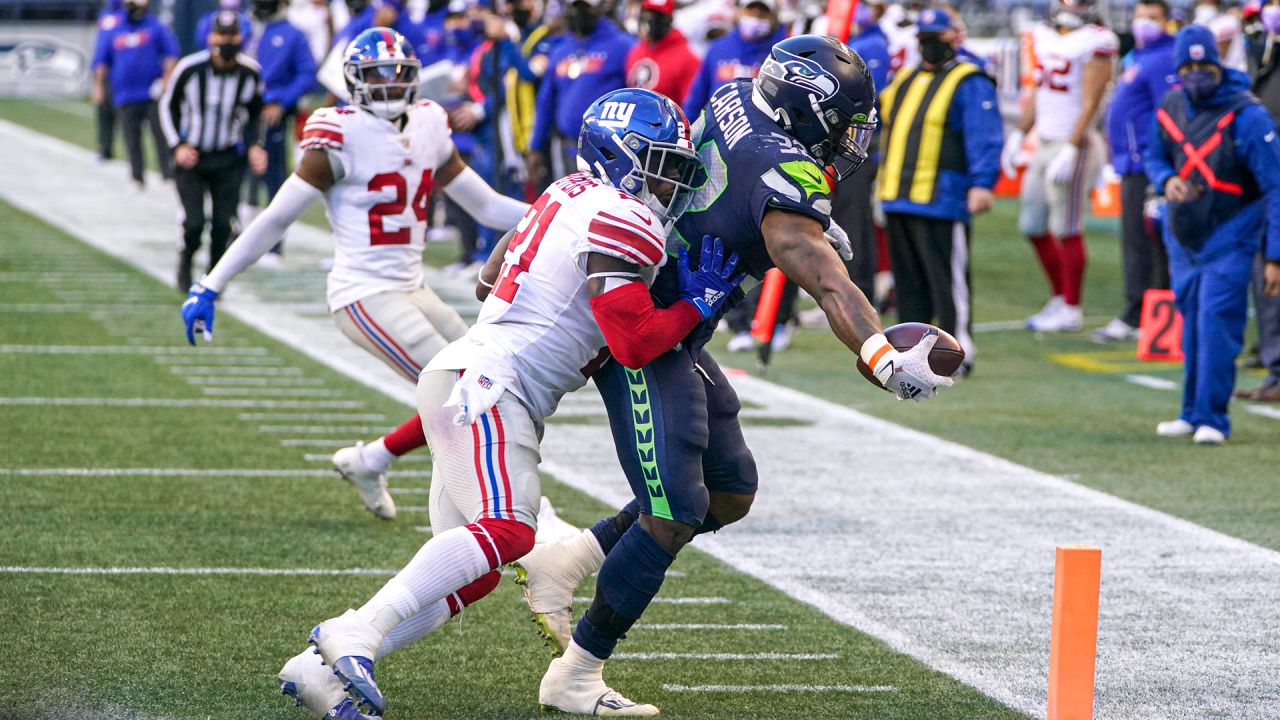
575	684
551	527
311	683
549	575
346	635
1174	429
1047	311
1066	318
741	342
371	485
1206	435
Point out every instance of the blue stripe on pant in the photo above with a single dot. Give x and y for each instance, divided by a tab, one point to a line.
1213	297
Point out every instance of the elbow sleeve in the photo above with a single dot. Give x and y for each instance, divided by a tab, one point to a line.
636	331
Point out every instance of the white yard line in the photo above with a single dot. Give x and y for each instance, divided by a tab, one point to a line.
307	442
20	570
314	417
197	370
126	350
947	558
1150	381
114	308
325	429
412	509
413	458
252	381
178	472
270	392
724	656
181	403
423	529
219	360
1263	410
779	688
409	491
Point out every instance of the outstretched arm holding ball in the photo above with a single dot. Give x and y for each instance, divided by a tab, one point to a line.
797	247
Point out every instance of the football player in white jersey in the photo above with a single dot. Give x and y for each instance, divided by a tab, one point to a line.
1074	55
375	164
572	291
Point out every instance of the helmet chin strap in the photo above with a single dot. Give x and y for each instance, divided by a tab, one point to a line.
778	114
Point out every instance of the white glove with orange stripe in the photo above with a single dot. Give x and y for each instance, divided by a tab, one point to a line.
906	374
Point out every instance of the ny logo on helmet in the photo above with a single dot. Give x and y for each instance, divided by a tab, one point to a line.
806	74
616	114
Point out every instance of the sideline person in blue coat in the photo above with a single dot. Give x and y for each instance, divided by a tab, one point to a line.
1215	156
737	54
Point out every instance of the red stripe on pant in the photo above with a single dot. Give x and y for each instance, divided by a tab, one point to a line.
502	459
408	358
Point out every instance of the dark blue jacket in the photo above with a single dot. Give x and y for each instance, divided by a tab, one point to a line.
288	68
205	25
579	71
355	26
1256	146
975	114
728	58
1146	74
425	35
873	47
134	55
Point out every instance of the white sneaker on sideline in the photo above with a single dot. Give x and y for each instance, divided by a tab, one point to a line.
1066	318
549	575
1049	309
270	261
1206	435
742	342
311	683
1174	428
574	683
1115	330
813	317
371	485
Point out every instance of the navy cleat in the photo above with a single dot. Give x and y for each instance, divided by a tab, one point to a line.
358	674
346	710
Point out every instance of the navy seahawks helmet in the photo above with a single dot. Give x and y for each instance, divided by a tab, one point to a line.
381	72
821	93
638	141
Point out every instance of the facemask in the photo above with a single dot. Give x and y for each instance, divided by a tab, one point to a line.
1200	85
228	51
521	16
1271	19
263	9
754	29
137	14
1146	31
1205	13
582	22
656	26
935	50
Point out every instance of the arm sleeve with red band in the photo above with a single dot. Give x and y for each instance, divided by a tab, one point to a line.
635	330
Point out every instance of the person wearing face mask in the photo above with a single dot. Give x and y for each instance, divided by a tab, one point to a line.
205	24
288	73
1227	31
1265	64
1146	74
211	138
662	60
738	54
1215	156
589	61
940	142
131	62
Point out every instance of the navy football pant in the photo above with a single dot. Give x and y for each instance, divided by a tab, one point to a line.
676	431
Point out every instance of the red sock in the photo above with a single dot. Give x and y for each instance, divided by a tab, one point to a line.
1050	259
409	436
1074	258
471	594
503	541
882	250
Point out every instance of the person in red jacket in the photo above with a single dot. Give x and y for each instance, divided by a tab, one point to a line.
662	60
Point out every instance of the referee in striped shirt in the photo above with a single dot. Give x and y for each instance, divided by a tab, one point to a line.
212	118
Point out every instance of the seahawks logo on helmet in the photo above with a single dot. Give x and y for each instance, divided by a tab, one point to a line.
802	72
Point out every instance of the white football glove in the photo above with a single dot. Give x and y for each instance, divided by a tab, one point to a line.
473	394
906	374
1063	165
839	240
1009	153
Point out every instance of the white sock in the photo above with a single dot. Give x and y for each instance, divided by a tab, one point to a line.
376	456
415	628
449	561
580	658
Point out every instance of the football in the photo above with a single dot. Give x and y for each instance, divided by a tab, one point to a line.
945	358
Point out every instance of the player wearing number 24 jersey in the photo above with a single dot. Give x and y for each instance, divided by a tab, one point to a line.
375	164
573	280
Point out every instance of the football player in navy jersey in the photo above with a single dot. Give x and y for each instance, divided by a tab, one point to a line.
767	144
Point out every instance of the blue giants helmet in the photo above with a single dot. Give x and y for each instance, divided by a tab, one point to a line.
638	141
821	93
381	72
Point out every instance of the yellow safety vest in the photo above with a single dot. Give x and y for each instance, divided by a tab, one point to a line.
915	142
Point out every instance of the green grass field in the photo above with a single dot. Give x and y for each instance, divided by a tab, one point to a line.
198	646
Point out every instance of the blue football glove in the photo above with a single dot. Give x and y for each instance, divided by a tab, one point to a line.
197	312
708	287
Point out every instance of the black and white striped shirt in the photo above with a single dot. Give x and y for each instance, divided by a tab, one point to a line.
210	109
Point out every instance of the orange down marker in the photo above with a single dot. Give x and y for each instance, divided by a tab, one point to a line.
1073	645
